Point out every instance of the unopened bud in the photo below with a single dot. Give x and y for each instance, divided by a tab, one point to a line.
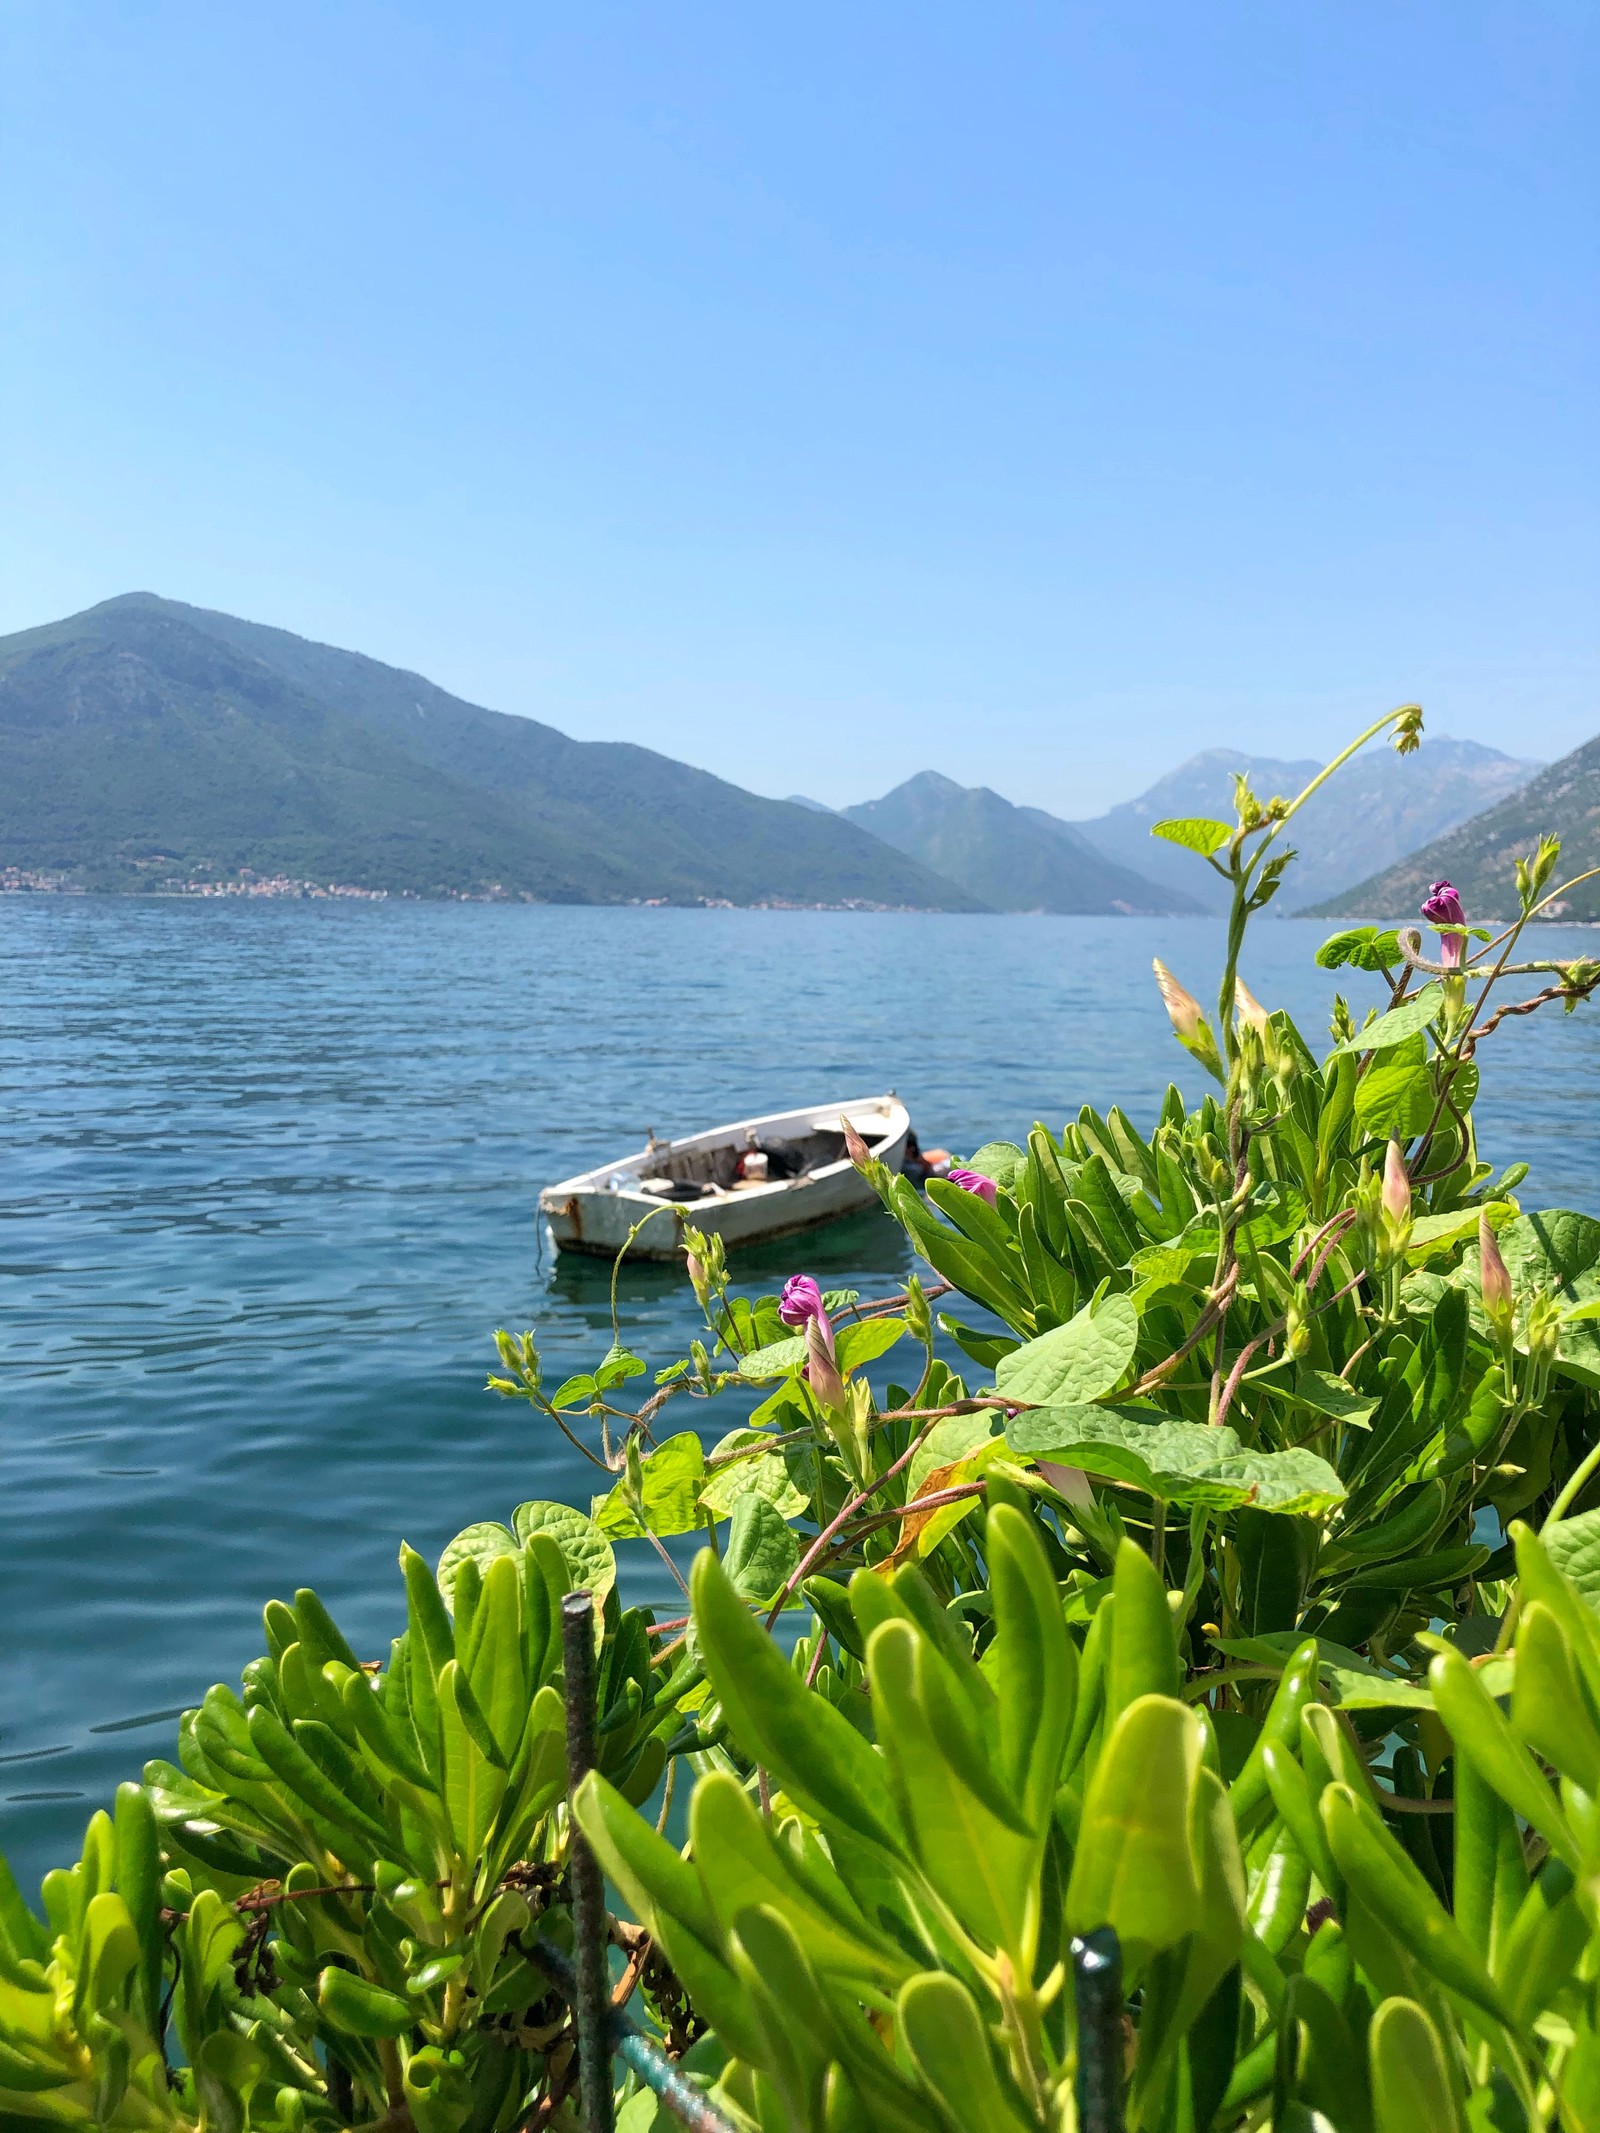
1190	1025
1396	1185
1297	1328
1497	1297
633	1479
855	1147
1181	1005
822	1372
1250	1008
697	1277
1543	1336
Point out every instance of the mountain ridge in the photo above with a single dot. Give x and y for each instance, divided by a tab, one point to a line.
1366	818
1013	858
144	734
1479	856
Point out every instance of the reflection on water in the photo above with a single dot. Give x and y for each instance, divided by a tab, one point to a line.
267	1185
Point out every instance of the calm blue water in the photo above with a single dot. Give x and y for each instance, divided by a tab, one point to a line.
267	1186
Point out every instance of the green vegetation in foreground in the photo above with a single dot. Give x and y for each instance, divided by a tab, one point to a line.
144	742
1235	1612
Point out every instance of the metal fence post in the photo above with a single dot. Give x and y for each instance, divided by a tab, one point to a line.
1097	1984
592	1982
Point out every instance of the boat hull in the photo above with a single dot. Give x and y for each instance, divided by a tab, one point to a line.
593	1213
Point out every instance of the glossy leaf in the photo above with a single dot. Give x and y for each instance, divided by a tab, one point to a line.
1080	1361
672	1477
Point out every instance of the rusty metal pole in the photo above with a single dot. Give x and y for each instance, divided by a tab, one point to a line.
592	1978
1097	1983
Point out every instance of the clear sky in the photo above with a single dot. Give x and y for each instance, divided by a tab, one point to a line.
1033	392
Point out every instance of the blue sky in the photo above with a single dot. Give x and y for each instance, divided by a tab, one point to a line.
1038	393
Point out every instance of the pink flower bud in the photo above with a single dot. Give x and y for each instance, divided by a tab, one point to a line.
1249	1007
822	1372
1396	1185
1495	1279
855	1147
801	1300
1182	1006
1443	909
1443	906
975	1181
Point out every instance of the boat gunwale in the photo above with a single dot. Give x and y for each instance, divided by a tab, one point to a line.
594	1182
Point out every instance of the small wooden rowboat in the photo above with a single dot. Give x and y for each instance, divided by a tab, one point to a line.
698	1179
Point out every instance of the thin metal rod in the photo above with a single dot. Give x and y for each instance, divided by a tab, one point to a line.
592	1980
1097	1984
648	2061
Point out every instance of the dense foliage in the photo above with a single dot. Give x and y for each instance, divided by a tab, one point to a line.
1231	1611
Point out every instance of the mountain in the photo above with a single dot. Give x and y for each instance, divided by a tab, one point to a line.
1480	855
1365	818
144	742
1012	858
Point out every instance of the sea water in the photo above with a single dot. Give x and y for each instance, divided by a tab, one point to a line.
268	1183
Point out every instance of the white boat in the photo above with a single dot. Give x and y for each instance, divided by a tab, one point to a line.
697	1179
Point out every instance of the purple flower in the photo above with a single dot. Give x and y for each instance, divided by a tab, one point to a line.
975	1181
1442	909
801	1299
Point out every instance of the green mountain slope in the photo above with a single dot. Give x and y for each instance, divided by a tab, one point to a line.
1480	856
144	740
1378	808
1013	858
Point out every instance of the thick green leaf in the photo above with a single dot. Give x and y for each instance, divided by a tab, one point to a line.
1365	947
1133	1868
762	1550
1396	1095
482	1544
776	1360
586	1549
865	1340
1432	1235
1179	1462
1000	1160
1412	2083
1574	1547
1344	1676
763	1473
949	2046
947	1442
1328	1395
672	1477
1080	1361
1197	833
1409	1019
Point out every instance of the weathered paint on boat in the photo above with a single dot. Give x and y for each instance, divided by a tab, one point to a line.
595	1211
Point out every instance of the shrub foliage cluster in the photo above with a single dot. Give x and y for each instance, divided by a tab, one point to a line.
1187	1585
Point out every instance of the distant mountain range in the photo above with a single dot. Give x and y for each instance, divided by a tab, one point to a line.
1012	858
1375	810
1480	856
1023	859
144	743
149	745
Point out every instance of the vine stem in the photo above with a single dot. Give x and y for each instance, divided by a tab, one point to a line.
818	1548
1580	1474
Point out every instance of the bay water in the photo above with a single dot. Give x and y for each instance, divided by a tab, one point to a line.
268	1183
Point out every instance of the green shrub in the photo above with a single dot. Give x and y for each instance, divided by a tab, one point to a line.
1188	1628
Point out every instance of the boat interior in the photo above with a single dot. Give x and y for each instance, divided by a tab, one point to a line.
697	1171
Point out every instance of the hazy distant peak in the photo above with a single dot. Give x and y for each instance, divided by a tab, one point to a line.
1373	811
1014	858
